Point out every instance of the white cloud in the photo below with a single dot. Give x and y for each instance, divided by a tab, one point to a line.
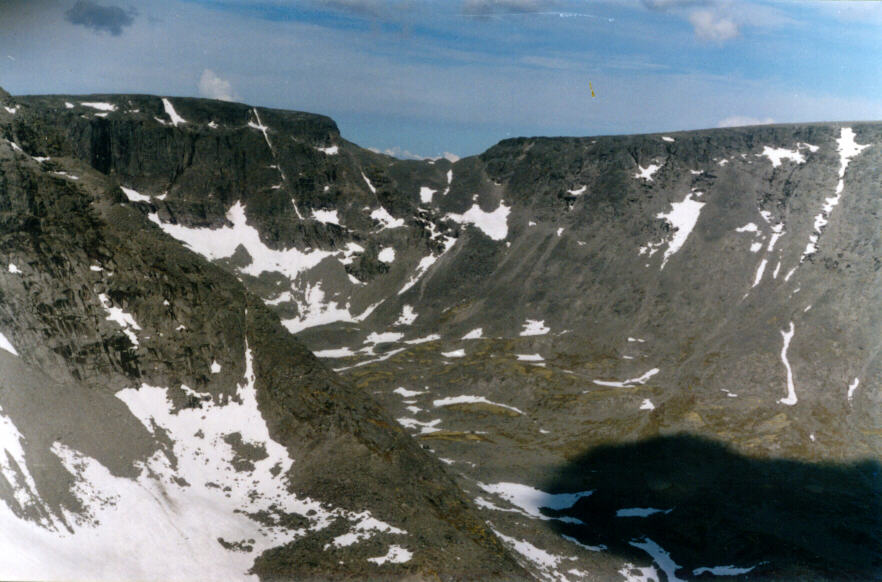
488	7
713	26
738	120
213	87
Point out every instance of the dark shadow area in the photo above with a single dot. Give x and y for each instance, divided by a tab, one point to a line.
789	520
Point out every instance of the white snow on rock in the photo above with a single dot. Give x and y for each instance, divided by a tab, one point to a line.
368	182
722	570
424	427
668	139
386	255
15	471
534	327
460	353
133	195
429	338
426	194
172	114
852	387
101	106
530	358
405	393
468	399
365	528
11	110
759	273
632	573
315	310
179	511
382	338
662	558
630	383
335	353
385	219
749	227
546	562
494	224
775	155
647	404
647	172
121	318
531	500
847	148
215	367
791	399
395	555
577	191
5	344
13	268
408	316
427	262
330	150
640	511
683	216
221	243
326	216
476	333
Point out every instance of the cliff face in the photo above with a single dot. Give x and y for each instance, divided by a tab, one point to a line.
158	421
528	315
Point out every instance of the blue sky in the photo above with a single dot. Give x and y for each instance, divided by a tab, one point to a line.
425	77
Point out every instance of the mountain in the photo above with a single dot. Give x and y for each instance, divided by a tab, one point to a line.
651	357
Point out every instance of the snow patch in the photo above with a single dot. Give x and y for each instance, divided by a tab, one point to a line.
121	318
385	219
630	383
330	150
647	172
133	195
683	216
476	333
426	194
775	155
326	216
534	327
5	344
530	358
852	387
172	114
14	269
387	255
468	399
100	106
791	399
493	224
460	353
395	555
408	316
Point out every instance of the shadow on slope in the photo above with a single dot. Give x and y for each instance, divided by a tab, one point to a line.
788	520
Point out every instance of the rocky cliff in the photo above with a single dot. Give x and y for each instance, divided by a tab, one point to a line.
638	356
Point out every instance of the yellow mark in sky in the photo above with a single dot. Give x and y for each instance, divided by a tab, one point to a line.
592	89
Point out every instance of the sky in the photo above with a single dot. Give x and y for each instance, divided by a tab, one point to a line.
421	78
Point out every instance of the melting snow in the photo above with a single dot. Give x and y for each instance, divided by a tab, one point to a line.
647	172
5	344
425	263
493	224
172	114
790	400
215	367
647	404
530	358
666	138
847	149
335	353
395	555
546	562
629	383
749	227
852	387
385	219
368	182
13	268
387	255
426	195
329	151
476	333
662	558
408	316
460	353
683	216
578	191
535	327
467	399
405	393
424	427
531	500
429	338
759	273
11	110
326	216
221	243
775	155
99	105
133	195
121	318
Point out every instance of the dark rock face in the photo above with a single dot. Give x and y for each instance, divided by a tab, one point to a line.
546	318
140	362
